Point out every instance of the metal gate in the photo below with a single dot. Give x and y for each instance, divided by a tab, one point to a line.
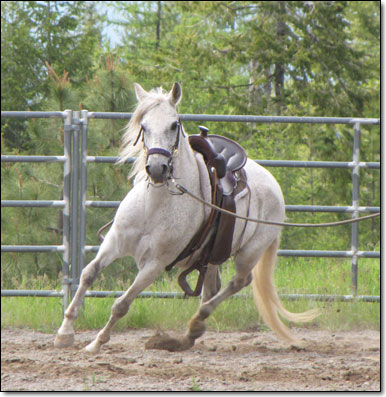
75	160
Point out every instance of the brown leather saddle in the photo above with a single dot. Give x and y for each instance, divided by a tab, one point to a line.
224	160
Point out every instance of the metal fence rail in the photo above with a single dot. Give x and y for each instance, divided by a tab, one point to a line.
65	203
181	295
75	161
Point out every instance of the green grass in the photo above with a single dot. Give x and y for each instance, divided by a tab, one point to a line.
309	276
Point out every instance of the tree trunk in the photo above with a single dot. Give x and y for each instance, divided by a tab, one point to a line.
258	92
49	40
279	67
158	26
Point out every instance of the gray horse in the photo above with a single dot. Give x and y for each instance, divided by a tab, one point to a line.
154	226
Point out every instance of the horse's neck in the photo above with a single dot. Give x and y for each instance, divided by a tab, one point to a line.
185	172
172	220
185	166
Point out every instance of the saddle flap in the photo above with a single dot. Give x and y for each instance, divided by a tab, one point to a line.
222	246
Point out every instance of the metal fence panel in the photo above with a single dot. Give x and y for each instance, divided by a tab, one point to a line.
75	203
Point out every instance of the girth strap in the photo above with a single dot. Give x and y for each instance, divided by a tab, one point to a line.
201	266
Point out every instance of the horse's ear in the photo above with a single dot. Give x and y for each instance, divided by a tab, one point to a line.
175	94
140	92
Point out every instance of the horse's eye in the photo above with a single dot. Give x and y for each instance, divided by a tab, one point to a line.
174	126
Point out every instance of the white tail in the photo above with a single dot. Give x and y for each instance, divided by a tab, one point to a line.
267	300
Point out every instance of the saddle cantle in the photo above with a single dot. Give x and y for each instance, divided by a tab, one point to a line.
225	160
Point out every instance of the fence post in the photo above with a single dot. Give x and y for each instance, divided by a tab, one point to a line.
83	187
355	204
75	274
66	209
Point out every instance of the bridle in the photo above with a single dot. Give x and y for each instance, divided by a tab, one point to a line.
161	151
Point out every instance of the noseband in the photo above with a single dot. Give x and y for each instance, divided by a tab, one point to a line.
161	151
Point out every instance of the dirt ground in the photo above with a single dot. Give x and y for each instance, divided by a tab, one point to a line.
234	361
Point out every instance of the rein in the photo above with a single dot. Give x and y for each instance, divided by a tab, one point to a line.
183	190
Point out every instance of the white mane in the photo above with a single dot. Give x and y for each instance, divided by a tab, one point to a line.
155	98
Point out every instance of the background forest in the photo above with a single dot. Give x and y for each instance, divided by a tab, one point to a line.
288	58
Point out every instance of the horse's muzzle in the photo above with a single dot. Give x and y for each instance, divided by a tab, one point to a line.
158	167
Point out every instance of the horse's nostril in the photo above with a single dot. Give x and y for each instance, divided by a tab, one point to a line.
157	172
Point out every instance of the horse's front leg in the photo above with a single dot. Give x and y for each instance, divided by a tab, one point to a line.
145	277
107	253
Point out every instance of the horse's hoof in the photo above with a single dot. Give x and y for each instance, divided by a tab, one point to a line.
65	340
162	341
298	346
93	348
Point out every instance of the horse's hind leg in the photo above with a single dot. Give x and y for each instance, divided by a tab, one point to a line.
197	327
197	323
212	283
106	254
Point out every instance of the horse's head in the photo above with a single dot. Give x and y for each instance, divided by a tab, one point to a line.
160	130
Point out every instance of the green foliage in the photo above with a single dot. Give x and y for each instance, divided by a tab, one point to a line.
316	276
65	34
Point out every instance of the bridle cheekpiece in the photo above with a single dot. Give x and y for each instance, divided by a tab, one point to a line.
161	151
